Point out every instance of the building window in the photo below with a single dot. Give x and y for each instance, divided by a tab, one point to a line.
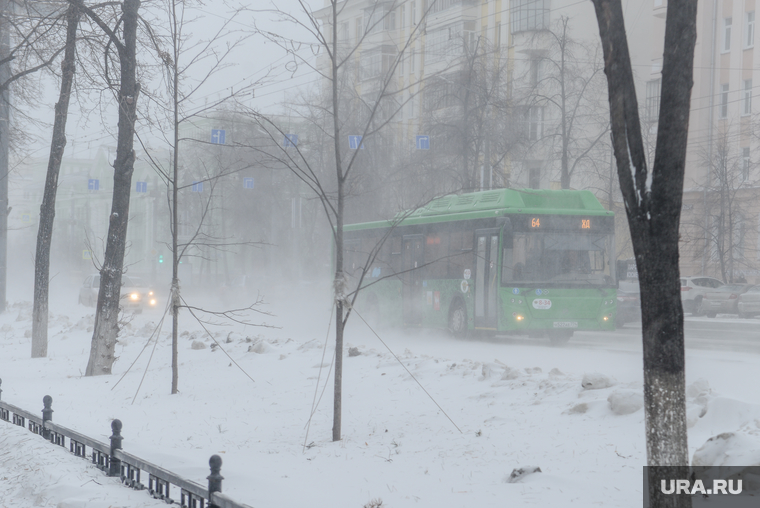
343	32
442	5
358	29
745	164
536	74
529	15
414	13
497	36
724	101
758	237
534	123
747	98
738	237
379	18
403	15
411	62
749	29
376	62
653	100
534	178
727	34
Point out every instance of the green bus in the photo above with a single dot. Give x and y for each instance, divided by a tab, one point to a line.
515	261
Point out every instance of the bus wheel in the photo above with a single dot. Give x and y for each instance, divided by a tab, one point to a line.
560	338
458	319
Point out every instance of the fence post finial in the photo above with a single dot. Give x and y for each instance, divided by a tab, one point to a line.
47	415
114	464
215	478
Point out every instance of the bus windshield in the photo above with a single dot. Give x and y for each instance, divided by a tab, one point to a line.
560	258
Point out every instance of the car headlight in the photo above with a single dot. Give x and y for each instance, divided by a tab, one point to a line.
150	293
152	301
134	296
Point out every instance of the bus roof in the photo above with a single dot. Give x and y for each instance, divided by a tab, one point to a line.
495	203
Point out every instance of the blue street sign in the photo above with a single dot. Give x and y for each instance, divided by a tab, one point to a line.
423	142
217	136
290	140
355	142
93	184
141	187
197	187
248	183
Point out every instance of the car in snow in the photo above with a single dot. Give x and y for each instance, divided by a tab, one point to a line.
628	303
135	294
748	304
693	290
724	299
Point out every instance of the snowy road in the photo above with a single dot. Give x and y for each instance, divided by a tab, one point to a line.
726	334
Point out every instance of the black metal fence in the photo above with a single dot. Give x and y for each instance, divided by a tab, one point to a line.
114	461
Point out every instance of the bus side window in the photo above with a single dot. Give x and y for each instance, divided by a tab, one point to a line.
395	259
350	256
436	252
507	263
460	246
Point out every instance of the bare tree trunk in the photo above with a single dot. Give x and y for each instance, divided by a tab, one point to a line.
175	206
5	118
107	312
565	173
339	283
47	209
653	217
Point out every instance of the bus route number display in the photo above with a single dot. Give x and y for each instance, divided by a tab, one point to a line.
535	222
585	223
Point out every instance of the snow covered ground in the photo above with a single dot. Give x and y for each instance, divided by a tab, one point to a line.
503	405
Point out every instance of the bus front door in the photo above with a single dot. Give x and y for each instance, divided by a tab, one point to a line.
486	270
412	280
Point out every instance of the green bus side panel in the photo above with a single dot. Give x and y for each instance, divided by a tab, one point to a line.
382	302
437	297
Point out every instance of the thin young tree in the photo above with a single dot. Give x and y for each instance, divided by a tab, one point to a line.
47	209
721	238
653	205
123	39
338	55
565	85
188	64
468	112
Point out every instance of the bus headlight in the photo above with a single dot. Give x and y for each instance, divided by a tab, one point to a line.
519	317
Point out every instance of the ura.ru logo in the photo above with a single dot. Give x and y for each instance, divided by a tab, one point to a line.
698	487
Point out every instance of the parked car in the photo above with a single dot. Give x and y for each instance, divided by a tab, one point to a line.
628	303
693	290
724	299
135	294
749	302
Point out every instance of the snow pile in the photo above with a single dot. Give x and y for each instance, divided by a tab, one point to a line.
625	402
596	381
728	449
33	472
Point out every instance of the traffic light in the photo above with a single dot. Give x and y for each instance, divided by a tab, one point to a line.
160	258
